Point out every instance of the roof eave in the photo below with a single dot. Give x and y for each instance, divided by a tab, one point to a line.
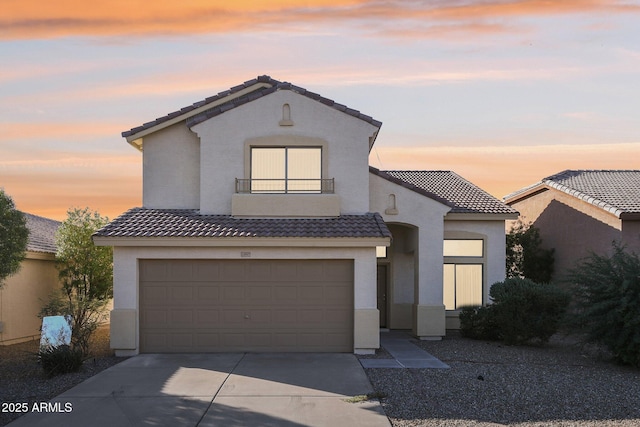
136	139
472	216
325	242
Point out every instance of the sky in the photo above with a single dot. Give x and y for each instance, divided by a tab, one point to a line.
503	92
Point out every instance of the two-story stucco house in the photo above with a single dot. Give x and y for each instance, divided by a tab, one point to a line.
263	228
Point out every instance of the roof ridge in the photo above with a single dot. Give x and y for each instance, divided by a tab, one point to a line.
275	85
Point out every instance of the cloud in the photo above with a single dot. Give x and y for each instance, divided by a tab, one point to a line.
501	170
28	19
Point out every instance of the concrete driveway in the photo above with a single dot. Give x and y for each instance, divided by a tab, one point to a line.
272	389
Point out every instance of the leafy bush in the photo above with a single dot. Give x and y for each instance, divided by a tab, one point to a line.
478	323
522	312
525	257
60	360
607	297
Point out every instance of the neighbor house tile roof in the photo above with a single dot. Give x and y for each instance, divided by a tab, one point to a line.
449	189
272	85
142	222
615	191
42	233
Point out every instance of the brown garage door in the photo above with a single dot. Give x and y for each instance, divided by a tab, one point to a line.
246	305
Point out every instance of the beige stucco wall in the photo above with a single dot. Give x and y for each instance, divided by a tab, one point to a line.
22	297
493	234
575	228
425	217
171	169
224	138
124	317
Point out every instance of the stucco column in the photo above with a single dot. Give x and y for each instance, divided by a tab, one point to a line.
124	316
366	320
428	310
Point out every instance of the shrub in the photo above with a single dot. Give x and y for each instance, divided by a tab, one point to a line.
526	257
607	297
478	323
527	312
60	360
522	312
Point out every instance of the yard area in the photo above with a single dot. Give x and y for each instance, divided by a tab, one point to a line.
489	384
22	378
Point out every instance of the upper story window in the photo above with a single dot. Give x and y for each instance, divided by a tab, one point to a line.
287	170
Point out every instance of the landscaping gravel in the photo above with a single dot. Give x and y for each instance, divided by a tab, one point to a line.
490	384
22	379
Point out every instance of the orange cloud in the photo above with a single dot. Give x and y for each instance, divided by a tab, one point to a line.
35	19
501	170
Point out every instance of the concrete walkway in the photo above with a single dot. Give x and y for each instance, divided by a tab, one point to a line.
405	354
218	390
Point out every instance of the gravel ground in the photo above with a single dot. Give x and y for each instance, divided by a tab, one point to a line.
22	379
490	384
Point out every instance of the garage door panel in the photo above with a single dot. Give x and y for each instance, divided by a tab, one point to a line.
286	306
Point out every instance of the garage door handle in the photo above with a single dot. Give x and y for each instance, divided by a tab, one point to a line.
246	316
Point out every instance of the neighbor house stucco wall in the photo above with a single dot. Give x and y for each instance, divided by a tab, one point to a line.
23	295
124	317
574	228
171	169
224	139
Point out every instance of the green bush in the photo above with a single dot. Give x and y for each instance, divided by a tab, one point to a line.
60	360
527	312
522	312
478	323
607	297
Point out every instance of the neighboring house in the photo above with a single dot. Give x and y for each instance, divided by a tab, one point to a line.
263	228
24	293
582	211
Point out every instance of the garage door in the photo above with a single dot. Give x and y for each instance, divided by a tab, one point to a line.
246	305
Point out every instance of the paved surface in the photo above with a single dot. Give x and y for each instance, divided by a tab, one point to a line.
219	390
405	354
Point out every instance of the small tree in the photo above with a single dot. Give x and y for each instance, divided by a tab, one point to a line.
86	272
525	256
607	296
14	235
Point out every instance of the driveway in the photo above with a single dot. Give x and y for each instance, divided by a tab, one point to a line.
235	389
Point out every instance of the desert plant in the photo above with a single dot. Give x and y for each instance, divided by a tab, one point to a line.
86	273
525	257
477	323
522	312
607	300
60	360
527	312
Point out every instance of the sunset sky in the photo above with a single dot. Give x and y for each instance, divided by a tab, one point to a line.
502	92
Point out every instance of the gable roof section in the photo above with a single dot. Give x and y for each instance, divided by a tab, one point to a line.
42	234
450	189
614	191
232	98
189	223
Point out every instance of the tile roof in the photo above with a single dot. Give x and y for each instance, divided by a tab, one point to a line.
272	86
42	233
449	189
615	191
143	222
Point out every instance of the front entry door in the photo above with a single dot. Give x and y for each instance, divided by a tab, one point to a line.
382	294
